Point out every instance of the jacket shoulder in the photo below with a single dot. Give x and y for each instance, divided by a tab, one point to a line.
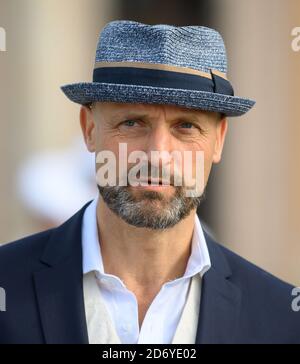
245	269
267	312
23	252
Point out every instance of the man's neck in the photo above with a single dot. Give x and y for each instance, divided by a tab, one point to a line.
142	257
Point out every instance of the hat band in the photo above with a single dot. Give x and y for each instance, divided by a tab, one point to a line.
140	74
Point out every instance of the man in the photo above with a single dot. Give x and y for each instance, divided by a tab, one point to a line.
135	265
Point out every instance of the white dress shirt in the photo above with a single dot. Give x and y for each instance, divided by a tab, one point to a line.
163	315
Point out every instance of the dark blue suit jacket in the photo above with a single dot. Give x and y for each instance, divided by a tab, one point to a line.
42	276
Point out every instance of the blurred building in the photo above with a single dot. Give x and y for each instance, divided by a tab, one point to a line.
48	43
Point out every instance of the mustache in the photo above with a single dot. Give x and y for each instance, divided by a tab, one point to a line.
157	174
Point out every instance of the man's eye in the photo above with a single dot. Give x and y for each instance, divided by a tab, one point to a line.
186	125
129	123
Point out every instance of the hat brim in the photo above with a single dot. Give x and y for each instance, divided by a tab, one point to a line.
86	92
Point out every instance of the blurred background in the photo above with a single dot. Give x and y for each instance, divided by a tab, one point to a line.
253	198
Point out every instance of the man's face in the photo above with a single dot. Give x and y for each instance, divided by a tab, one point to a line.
147	128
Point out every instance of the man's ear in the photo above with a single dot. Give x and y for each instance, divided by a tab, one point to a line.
220	139
88	127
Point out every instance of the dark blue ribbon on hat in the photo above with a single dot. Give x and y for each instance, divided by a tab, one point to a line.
162	78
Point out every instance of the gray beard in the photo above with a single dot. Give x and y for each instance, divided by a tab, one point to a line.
149	209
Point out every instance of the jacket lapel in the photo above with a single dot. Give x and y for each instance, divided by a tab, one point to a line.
59	287
220	301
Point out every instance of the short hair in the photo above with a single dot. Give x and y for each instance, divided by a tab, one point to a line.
222	115
88	105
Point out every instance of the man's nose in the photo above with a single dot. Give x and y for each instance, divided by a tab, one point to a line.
160	140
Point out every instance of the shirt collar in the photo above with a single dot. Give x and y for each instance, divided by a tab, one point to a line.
91	253
199	260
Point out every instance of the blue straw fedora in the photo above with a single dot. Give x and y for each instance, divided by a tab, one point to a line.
160	64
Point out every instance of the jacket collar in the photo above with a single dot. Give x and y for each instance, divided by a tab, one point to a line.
59	286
